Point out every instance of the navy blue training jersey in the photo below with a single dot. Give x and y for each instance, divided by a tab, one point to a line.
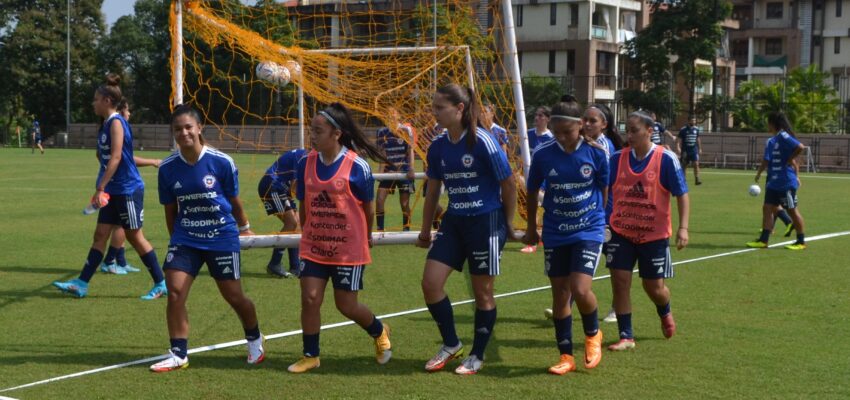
777	152
688	135
126	179
396	148
573	197
471	176
282	172
360	179
657	130
500	134
202	192
534	140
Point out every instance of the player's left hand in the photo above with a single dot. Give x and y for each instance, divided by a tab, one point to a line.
681	238
411	175
246	232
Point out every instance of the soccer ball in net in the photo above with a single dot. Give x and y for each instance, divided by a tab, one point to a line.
273	73
755	190
294	69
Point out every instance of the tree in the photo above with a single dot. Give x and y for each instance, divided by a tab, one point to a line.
685	32
32	34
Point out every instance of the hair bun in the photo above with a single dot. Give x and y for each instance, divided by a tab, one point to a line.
113	79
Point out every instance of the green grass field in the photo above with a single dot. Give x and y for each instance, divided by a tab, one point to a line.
760	324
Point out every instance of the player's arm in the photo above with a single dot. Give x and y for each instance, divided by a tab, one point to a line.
684	206
532	189
411	157
241	217
699	145
117	133
170	216
146	162
508	186
669	134
761	169
369	211
797	150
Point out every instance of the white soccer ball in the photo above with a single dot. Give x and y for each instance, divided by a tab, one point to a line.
273	73
548	313
294	69
755	190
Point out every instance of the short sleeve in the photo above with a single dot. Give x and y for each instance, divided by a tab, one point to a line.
672	175
299	178
535	176
498	159
435	169
230	179
602	169
362	182
166	196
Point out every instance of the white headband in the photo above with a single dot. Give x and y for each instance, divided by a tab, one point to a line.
565	117
330	119
600	112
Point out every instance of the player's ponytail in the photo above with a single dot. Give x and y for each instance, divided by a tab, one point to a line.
471	116
352	134
111	89
780	122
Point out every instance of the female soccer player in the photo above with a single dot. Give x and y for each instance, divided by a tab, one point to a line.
399	152
643	176
596	128
336	190
474	170
537	136
782	180
199	188
36	137
275	190
576	177
119	179
488	119
115	262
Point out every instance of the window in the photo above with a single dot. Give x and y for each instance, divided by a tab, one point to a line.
553	13
773	46
836	81
551	61
571	62
519	15
774	11
573	14
838	8
816	41
836	45
519	59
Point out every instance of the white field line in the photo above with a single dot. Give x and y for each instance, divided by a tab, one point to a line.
385	316
806	175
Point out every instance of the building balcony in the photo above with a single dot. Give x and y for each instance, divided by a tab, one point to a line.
599	32
770	61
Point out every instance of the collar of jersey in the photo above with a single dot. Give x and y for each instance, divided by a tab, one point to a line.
578	145
113	115
651	149
338	155
545	133
459	139
200	156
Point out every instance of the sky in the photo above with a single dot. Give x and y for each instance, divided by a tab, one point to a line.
114	9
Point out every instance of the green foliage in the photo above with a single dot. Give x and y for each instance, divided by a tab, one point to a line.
456	26
540	91
33	51
689	31
812	105
658	99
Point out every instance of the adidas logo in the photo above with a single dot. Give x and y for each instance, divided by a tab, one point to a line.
564	342
482	330
589	265
323	200
660	270
345	281
483	265
177	185
553	172
227	270
637	191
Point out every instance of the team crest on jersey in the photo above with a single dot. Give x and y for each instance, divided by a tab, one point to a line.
651	175
467	160
209	181
169	257
586	170
103	138
339	183
400	141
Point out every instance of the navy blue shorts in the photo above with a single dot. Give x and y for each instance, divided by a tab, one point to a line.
223	265
653	258
785	198
344	277
274	201
477	239
690	155
581	257
126	211
403	186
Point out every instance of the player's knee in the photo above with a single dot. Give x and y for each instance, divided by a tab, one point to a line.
431	288
310	300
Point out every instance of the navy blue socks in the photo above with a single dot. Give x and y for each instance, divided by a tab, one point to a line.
92	262
443	315
484	322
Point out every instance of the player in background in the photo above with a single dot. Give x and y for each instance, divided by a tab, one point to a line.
397	143
478	220
783	180
658	130
115	261
643	177
689	147
199	189
36	137
537	136
120	182
275	191
488	118
576	178
336	190
597	129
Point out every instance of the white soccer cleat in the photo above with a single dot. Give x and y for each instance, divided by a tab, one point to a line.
171	363
611	317
469	366
443	356
256	353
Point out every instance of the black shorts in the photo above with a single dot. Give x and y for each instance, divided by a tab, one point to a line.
404	186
